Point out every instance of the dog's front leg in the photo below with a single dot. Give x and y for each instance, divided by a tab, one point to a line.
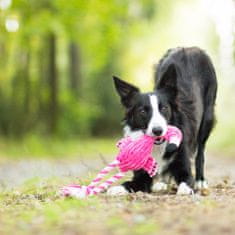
140	182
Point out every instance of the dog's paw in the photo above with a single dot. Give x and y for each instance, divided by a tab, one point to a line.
201	184
184	189
159	186
170	148
117	191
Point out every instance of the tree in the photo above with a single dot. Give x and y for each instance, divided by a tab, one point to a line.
61	62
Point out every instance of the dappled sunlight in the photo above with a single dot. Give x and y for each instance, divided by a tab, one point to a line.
167	30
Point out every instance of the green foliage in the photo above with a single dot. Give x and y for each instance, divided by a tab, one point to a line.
76	117
47	90
34	146
36	90
223	138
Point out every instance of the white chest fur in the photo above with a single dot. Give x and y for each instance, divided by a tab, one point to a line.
158	152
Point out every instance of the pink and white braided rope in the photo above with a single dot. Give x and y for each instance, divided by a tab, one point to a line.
133	155
94	187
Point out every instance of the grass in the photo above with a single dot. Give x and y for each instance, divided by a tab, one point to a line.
36	208
221	141
36	147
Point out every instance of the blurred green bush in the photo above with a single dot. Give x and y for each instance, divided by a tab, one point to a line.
76	117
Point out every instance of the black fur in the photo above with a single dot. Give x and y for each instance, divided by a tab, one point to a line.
138	110
186	86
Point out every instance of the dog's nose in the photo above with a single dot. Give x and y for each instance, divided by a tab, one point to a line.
157	131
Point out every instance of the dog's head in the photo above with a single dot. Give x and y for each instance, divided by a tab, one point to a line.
147	113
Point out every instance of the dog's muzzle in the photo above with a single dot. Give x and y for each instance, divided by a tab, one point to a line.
159	140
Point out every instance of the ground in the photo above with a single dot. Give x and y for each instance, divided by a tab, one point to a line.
29	203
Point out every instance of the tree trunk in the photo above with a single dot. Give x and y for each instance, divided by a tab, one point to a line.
27	85
53	84
74	68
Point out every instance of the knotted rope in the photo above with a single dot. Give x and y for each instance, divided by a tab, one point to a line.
133	155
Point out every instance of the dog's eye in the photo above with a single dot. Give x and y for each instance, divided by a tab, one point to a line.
142	111
163	108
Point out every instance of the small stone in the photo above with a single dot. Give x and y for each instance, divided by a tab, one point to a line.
205	192
139	218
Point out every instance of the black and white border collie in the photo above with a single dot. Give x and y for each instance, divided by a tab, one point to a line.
184	96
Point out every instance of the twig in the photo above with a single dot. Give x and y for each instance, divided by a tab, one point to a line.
104	160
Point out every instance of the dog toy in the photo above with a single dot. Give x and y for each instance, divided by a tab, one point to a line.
133	155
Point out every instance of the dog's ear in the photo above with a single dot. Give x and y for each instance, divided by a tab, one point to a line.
168	81
125	90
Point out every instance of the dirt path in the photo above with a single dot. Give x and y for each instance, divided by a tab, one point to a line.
160	213
14	173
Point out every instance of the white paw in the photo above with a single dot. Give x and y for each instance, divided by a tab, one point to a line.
117	190
184	189
159	186
201	184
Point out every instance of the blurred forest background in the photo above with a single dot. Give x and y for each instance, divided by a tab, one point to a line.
57	58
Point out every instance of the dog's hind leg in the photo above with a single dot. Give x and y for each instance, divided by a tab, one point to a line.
204	133
199	164
180	169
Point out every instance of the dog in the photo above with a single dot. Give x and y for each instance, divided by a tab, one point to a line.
184	96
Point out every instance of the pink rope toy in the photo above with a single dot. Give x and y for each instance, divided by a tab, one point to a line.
133	155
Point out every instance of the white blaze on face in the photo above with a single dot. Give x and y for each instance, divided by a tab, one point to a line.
157	120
